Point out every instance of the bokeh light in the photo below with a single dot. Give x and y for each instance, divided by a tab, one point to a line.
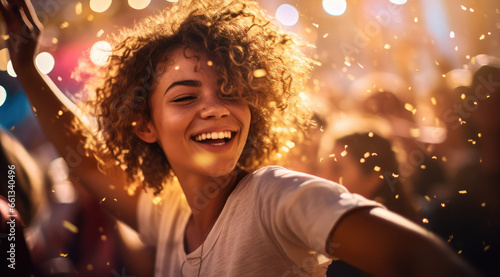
10	69
335	7
138	4
287	15
3	95
45	62
100	6
398	2
4	59
100	52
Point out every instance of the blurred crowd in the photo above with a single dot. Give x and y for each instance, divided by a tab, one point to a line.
443	175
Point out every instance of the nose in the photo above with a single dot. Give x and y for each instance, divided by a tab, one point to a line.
213	107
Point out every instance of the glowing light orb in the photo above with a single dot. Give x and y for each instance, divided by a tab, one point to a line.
287	15
3	95
45	62
398	2
138	4
4	59
10	70
100	6
335	7
100	52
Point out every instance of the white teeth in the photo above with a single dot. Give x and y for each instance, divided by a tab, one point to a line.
214	135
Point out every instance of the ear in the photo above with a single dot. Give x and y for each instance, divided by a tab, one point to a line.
147	132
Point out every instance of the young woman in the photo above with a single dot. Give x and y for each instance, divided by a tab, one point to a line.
197	96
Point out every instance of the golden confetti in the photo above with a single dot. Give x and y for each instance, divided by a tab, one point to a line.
100	33
59	78
433	101
387	46
63	255
486	248
366	155
483	204
409	107
444	159
427	198
396	196
462	191
341	179
422	166
460	251
102	200
443	205
55	40
78	8
343	153
395	175
325	35
376	168
415	20
315	25
471	10
456	48
449	238
90	17
425	220
104	238
177	67
463	7
370	134
415	132
259	73
68	225
5	37
362	160
290	144
64	25
479	135
434	157
60	112
481	37
210	63
12	128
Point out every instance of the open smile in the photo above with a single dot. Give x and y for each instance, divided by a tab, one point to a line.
214	138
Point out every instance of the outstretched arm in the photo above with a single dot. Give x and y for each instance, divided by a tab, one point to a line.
56	112
385	244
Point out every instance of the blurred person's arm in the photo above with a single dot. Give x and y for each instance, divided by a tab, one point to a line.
25	32
383	243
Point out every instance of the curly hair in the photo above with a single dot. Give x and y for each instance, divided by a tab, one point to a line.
254	59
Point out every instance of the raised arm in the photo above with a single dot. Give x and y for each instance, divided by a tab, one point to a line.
56	112
385	244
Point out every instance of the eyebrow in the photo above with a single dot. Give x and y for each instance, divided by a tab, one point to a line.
189	83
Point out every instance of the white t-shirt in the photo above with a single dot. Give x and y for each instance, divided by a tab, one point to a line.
276	222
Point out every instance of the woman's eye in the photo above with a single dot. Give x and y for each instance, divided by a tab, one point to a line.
183	99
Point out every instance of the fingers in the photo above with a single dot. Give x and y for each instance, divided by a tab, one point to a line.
30	14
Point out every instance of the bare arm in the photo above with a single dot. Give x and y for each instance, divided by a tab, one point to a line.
385	244
25	31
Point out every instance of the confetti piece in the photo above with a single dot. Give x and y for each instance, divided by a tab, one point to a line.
481	37
59	78
64	25
100	33
425	220
362	160
462	191
397	196
387	46
483	204
68	225
409	107
210	63
63	255
370	134
395	175
5	37
415	20
452	34
486	248
376	168
366	155
102	200
460	251
104	238
60	112
55	40
443	205
381	177
316	25
427	198
422	166
259	73
433	101
325	35
177	67
78	8
463	7
90	17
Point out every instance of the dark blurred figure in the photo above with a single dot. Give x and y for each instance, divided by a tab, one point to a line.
366	164
470	219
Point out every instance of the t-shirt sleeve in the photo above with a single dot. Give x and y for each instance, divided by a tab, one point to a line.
305	208
148	217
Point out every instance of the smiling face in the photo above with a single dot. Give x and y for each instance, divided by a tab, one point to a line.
200	130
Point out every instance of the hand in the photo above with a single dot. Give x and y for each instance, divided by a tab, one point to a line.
24	31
